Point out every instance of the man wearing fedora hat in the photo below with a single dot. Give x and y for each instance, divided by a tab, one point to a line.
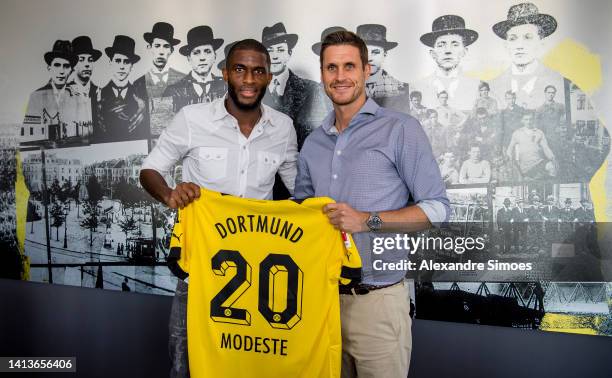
200	85
81	85
160	44
288	93
380	84
448	42
122	112
524	32
86	92
50	117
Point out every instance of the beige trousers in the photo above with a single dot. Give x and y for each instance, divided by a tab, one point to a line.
376	333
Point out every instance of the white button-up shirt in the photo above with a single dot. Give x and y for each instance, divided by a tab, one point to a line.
217	156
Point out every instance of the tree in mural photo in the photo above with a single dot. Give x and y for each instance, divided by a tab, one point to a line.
58	217
91	207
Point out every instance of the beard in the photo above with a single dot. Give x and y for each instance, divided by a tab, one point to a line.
231	91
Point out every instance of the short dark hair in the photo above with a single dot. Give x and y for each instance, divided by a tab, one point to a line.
429	112
510	92
247	44
441	93
550	86
342	37
415	94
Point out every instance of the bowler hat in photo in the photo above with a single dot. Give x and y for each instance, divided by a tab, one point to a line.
161	30
316	48
526	13
449	24
82	45
374	34
61	49
199	36
277	34
123	45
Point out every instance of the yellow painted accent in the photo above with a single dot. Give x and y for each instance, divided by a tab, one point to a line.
21	208
575	62
582	324
487	74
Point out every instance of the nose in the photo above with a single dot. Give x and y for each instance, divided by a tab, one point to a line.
248	77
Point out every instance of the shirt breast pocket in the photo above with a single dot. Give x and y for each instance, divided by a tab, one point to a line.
212	162
267	165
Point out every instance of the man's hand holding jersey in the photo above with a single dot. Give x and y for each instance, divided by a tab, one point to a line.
182	195
344	218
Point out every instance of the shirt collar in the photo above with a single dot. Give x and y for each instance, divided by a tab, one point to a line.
154	70
197	77
220	112
370	107
441	74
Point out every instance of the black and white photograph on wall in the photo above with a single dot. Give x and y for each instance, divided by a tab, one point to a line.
11	258
60	112
297	97
505	109
201	84
160	46
122	113
96	215
553	220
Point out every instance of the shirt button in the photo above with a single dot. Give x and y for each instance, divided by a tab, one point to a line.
242	172
339	152
334	176
244	147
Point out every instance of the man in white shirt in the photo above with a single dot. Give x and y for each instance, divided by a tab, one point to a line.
233	145
474	170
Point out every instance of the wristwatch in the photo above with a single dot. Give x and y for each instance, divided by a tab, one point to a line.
374	222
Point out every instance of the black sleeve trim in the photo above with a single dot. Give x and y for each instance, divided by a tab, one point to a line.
351	273
173	258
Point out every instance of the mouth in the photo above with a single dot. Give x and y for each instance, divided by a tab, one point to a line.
342	87
86	72
248	92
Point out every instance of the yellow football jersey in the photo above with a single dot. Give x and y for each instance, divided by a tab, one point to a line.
263	295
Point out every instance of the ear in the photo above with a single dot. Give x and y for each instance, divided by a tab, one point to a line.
269	78
367	70
225	74
432	53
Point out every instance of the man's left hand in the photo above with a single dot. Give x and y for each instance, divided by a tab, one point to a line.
344	218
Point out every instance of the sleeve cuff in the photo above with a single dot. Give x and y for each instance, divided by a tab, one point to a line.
435	211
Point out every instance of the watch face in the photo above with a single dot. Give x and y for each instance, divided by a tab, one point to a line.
374	222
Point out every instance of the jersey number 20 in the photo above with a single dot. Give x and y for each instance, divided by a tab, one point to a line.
272	270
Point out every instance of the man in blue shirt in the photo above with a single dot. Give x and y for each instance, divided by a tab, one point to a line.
378	165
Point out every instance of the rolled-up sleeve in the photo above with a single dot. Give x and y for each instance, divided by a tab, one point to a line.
171	146
419	170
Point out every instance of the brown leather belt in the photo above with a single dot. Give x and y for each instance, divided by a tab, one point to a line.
363	289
